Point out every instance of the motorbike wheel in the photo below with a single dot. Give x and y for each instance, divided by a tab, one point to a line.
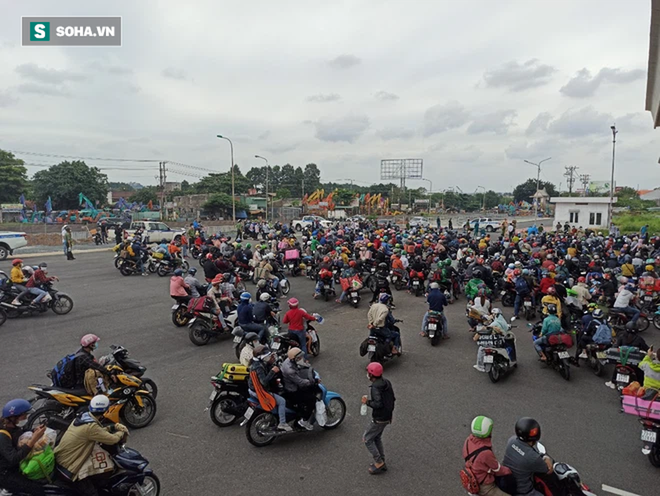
596	366
336	412
508	300
180	317
163	270
355	304
654	456
656	321
185	266
326	293
565	370
240	287
3	316
62	304
125	269
44	413
136	416
372	284
219	415
198	334
118	262
150	485
642	323
254	430
315	348
152	267
285	287
398	285
494	374
149	385
435	340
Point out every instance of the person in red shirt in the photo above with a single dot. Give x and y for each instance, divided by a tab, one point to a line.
479	457
546	283
36	280
296	318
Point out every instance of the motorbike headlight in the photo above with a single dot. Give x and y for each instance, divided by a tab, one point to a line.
142	466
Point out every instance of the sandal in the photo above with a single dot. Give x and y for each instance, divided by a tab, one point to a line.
374	470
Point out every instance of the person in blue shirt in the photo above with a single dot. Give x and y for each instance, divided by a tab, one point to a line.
551	326
437	301
245	314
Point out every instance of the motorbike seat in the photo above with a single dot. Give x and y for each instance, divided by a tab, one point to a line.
619	311
74	391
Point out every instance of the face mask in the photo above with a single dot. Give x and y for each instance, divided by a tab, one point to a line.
96	345
300	361
368	376
22	423
45	271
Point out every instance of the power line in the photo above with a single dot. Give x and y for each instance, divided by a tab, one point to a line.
570	177
83	158
584	179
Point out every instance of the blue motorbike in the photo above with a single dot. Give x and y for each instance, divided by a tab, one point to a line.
261	426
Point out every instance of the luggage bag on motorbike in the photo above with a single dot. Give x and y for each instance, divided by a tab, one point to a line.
642	408
200	304
557	339
234	372
625	355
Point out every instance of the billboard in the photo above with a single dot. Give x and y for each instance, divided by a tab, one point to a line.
599	187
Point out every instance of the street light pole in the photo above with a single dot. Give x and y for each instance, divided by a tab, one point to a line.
538	179
483	199
267	167
233	197
430	191
610	207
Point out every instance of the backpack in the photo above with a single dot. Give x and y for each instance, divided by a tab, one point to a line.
521	286
603	334
64	373
468	479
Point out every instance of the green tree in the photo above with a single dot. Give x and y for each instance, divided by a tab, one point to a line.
525	191
493	199
220	203
13	177
145	195
312	177
343	197
257	177
628	197
221	183
283	193
119	186
64	181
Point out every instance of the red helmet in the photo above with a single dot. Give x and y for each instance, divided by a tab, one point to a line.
582	279
16	261
218	279
552	290
325	273
375	369
552	267
517	272
88	340
293	302
351	263
209	256
326	259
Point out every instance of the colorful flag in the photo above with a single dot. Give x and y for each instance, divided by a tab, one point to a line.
22	200
49	206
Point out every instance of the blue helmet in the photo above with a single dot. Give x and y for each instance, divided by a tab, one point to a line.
16	408
384	298
178	272
192	271
245	296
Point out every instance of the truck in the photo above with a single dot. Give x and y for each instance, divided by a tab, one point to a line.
154	232
307	220
486	223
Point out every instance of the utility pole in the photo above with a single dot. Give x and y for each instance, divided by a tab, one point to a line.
584	179
570	176
538	179
162	179
611	206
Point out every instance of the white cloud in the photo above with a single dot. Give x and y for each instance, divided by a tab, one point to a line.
47	76
391	133
174	73
324	98
344	61
579	123
440	118
386	96
515	76
496	122
584	85
539	123
348	128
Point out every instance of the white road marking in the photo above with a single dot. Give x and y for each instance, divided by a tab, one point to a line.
614	490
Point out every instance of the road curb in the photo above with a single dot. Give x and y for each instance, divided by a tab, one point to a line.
55	253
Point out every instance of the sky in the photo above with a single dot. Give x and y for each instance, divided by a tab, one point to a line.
471	87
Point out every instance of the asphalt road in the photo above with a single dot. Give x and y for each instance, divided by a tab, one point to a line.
438	393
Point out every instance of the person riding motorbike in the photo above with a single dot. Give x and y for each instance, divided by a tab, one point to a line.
622	303
34	283
210	269
382	284
73	453
551	299
263	364
347	273
19	280
196	287
651	367
437	301
215	294
299	386
478	451
380	321
263	312
296	318
14	416
551	326
523	459
247	353
178	288
245	313
84	360
139	254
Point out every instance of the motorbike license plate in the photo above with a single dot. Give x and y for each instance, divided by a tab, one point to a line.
625	378
213	395
394	278
174	307
415	283
275	345
563	355
433	326
354	294
238	339
488	359
648	298
649	436
371	347
502	293
248	413
528	303
601	355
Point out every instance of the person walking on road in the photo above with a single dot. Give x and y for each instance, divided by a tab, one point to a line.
382	405
68	243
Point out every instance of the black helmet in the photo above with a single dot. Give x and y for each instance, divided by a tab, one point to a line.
227	276
251	336
528	429
382	266
192	271
631	327
552	309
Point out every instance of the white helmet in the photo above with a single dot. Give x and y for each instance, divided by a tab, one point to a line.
434	285
99	404
264	297
496	311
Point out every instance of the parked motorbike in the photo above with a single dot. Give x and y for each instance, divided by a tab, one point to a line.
417	284
229	399
59	303
120	357
261	425
168	266
557	354
651	440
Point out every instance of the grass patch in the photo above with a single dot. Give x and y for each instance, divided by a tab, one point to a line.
632	222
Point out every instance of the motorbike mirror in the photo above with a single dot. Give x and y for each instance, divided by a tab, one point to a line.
540	448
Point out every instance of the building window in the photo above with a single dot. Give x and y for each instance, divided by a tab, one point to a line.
592	218
573	217
599	218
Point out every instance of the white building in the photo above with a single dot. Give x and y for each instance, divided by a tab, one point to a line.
582	211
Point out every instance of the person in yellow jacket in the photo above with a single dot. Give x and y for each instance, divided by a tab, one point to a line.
551	298
651	369
74	452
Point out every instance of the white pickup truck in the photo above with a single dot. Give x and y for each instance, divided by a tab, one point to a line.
154	231
306	221
9	241
488	224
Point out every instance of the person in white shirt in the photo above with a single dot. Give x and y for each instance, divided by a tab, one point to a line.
405	261
622	303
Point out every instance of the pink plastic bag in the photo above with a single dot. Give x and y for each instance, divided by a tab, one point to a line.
291	255
642	408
